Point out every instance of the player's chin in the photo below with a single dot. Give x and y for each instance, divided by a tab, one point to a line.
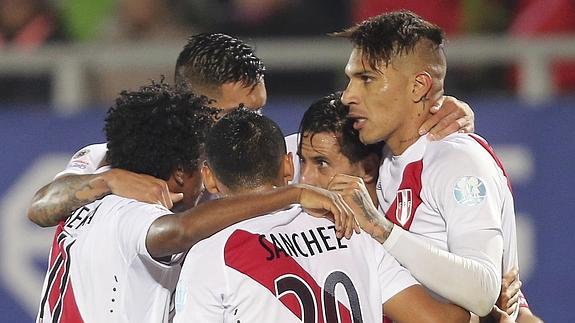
367	138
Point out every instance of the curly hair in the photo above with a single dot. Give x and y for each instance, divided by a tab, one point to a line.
388	35
211	59
329	115
156	129
245	149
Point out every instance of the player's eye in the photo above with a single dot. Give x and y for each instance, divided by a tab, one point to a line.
366	78
321	163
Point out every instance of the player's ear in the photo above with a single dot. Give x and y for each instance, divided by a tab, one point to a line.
176	180
209	180
287	168
370	168
421	86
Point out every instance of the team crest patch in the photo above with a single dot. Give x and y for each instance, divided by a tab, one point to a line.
469	191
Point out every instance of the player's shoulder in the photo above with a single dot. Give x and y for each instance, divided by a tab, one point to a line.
91	149
459	146
124	206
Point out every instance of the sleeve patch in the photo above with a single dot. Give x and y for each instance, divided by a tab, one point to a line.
469	191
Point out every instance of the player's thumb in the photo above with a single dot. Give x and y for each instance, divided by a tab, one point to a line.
176	197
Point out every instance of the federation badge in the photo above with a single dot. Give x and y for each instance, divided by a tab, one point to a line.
404	203
469	191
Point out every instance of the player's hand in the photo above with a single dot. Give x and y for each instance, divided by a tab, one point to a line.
143	188
323	203
500	316
510	286
448	115
357	197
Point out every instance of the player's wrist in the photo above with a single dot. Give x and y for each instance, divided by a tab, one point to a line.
381	232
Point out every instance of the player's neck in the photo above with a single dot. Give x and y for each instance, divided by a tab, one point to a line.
245	190
408	133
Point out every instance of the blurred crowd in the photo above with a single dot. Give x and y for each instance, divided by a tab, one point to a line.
26	25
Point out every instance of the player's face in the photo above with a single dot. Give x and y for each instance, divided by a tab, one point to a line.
321	159
192	188
236	93
376	98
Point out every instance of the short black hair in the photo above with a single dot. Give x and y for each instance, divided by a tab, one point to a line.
245	150
156	129
211	59
329	115
388	35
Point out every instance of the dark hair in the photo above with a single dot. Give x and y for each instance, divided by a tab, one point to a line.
391	34
211	59
329	114
156	129
245	149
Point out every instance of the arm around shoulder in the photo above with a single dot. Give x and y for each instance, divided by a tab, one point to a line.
57	200
176	233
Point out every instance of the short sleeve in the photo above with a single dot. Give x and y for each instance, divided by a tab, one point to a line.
468	189
85	161
393	278
199	295
133	224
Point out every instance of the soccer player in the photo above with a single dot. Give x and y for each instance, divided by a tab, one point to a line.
443	205
287	266
117	259
216	65
330	146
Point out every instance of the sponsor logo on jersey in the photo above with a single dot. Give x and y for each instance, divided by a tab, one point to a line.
469	191
404	203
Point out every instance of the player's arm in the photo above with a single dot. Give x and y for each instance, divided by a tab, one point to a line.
414	304
176	233
57	200
470	266
526	316
448	115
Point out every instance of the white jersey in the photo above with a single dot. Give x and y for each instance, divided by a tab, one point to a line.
100	270
292	142
287	267
443	190
89	159
86	161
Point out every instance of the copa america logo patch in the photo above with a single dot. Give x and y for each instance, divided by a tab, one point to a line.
469	191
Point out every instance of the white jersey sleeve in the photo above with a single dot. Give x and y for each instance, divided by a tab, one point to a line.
292	142
393	278
85	161
200	292
133	229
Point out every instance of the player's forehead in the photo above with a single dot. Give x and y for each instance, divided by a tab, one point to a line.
319	143
358	64
232	94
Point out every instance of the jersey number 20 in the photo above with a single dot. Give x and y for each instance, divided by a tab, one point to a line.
309	299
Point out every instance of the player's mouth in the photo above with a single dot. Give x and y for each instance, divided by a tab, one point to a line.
358	121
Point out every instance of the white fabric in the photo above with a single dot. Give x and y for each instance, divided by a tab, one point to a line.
85	161
464	227
114	278
221	280
292	142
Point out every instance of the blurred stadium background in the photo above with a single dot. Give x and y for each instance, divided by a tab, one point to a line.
62	62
